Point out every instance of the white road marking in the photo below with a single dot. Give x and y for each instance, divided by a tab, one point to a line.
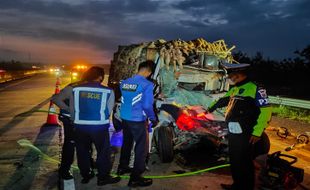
69	184
15	84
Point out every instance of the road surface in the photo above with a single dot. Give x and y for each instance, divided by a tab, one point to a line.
20	167
23	168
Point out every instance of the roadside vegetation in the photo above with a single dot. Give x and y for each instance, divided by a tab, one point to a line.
293	113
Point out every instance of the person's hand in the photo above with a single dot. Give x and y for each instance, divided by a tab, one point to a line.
254	139
154	123
208	110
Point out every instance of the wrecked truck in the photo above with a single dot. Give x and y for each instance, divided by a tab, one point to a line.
187	77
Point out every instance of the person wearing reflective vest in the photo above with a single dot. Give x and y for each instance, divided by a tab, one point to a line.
247	114
68	147
135	111
90	107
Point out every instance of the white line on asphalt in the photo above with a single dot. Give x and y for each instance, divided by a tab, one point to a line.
12	85
69	184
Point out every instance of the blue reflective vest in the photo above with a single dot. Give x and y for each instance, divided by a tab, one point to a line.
137	99
90	104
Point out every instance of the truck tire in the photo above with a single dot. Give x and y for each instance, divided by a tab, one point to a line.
165	144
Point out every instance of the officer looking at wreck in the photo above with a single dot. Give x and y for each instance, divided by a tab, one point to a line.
136	108
247	114
68	147
90	106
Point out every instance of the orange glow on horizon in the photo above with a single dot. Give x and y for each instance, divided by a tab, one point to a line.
56	51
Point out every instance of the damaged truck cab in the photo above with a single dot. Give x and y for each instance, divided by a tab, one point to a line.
188	77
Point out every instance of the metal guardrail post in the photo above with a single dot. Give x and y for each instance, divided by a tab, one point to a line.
289	102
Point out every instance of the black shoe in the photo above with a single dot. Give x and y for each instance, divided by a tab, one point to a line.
227	186
87	178
140	182
122	171
66	175
107	180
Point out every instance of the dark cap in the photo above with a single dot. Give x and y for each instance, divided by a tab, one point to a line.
235	67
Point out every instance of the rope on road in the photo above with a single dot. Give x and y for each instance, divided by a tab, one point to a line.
27	143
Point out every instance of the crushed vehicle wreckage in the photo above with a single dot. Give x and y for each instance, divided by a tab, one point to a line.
188	77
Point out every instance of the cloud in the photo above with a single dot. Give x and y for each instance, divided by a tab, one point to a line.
102	25
277	15
84	9
51	52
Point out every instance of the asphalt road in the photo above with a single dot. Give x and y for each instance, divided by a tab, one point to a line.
23	168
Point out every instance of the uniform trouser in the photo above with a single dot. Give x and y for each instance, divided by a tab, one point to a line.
138	132
99	135
67	154
241	162
241	155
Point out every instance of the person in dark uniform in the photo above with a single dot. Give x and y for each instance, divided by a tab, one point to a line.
136	107
247	114
90	106
68	147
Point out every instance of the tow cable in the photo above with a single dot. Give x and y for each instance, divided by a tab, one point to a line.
27	143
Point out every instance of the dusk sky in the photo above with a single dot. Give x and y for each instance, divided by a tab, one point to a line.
64	31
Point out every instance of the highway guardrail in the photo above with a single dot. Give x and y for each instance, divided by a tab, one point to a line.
289	102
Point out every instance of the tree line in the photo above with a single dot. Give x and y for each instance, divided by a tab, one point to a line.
288	77
15	65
